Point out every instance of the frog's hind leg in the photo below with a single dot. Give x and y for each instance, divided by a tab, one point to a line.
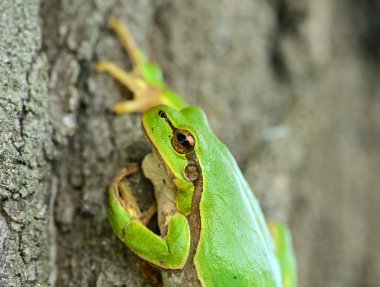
285	253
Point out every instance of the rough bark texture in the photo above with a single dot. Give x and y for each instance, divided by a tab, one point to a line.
290	86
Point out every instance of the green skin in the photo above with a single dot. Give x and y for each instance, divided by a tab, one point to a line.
231	240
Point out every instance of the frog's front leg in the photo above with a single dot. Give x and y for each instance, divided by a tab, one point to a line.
145	79
145	96
169	252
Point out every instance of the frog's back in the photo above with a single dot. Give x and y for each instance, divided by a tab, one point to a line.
235	248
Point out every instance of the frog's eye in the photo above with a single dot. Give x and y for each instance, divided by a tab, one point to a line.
183	141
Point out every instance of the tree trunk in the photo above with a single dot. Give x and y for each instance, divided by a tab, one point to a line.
290	86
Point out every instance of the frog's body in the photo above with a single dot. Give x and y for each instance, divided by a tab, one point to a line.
254	264
234	247
216	233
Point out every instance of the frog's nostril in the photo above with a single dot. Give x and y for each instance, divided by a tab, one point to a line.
162	114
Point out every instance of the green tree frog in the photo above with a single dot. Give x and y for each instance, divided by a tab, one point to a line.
214	233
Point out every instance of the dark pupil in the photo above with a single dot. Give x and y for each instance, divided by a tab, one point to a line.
182	139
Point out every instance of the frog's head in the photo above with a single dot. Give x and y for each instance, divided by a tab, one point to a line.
176	137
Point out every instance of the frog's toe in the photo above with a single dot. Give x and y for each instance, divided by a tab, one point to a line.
101	66
143	101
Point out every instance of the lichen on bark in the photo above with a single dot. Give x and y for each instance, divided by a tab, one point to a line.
25	146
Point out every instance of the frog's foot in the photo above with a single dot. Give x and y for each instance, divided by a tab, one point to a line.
145	95
128	42
122	191
148	214
144	80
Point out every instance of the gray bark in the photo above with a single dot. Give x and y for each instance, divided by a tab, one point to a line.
290	86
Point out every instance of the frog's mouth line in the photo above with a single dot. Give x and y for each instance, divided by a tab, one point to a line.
156	152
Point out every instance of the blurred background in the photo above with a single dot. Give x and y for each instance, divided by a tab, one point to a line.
291	86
